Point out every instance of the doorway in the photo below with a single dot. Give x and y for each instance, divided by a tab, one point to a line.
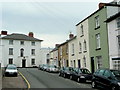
92	65
24	63
79	64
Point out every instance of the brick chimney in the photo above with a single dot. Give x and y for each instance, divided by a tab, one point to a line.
31	34
71	36
101	5
3	32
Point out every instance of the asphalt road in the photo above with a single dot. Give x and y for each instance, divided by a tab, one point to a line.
42	79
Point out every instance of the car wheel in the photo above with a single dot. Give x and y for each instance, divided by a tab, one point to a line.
64	76
59	74
94	84
78	79
113	88
71	77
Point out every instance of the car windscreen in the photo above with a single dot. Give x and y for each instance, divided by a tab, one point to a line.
85	71
11	67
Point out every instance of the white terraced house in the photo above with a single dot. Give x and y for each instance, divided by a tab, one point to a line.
20	49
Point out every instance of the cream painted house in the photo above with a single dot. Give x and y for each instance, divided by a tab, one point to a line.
83	58
72	54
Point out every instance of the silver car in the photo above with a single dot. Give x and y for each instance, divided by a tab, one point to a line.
53	68
11	70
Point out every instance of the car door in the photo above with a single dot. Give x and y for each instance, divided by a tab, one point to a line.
107	78
99	77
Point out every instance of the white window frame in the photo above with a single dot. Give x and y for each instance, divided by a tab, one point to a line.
80	47
97	23
33	43
98	41
81	30
32	51
118	22
10	42
10	51
32	60
85	45
99	62
84	61
118	40
73	48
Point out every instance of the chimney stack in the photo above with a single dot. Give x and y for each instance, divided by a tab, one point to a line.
71	36
3	32
31	34
101	5
56	45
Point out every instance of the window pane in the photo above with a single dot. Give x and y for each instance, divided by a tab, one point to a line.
10	61
33	61
10	51
33	43
33	51
11	42
21	42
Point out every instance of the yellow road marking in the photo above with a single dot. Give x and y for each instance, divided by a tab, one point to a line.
25	80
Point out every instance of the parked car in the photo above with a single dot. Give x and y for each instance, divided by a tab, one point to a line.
45	67
11	70
40	67
65	72
81	75
53	68
106	78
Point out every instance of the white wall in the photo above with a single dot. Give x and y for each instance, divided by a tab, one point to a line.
43	54
16	57
113	32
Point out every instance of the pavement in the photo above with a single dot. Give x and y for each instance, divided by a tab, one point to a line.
13	82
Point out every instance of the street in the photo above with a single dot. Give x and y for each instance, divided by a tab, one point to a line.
42	79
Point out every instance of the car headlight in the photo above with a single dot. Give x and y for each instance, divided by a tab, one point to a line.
119	83
82	77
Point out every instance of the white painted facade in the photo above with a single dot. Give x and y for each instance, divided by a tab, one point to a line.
72	55
43	54
83	54
17	59
55	57
114	51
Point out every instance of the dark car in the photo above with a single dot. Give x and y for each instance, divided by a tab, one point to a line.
65	72
11	70
81	75
106	78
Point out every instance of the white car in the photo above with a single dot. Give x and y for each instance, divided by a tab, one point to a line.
11	70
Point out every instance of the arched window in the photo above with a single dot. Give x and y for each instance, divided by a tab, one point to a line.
21	52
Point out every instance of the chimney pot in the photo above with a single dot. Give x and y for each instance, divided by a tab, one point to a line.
71	36
3	32
31	34
101	5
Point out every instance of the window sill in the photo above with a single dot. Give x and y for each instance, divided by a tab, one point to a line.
97	27
72	55
85	51
98	49
81	35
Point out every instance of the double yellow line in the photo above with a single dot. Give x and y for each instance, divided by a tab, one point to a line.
28	84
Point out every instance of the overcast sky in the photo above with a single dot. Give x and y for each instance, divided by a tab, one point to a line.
50	21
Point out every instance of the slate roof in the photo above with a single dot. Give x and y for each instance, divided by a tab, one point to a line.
16	36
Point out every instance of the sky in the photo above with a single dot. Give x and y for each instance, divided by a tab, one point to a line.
49	20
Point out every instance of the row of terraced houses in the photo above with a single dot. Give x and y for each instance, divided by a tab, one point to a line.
96	44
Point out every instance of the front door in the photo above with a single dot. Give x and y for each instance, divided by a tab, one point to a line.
24	63
92	64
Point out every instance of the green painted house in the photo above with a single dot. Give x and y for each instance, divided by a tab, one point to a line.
98	36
